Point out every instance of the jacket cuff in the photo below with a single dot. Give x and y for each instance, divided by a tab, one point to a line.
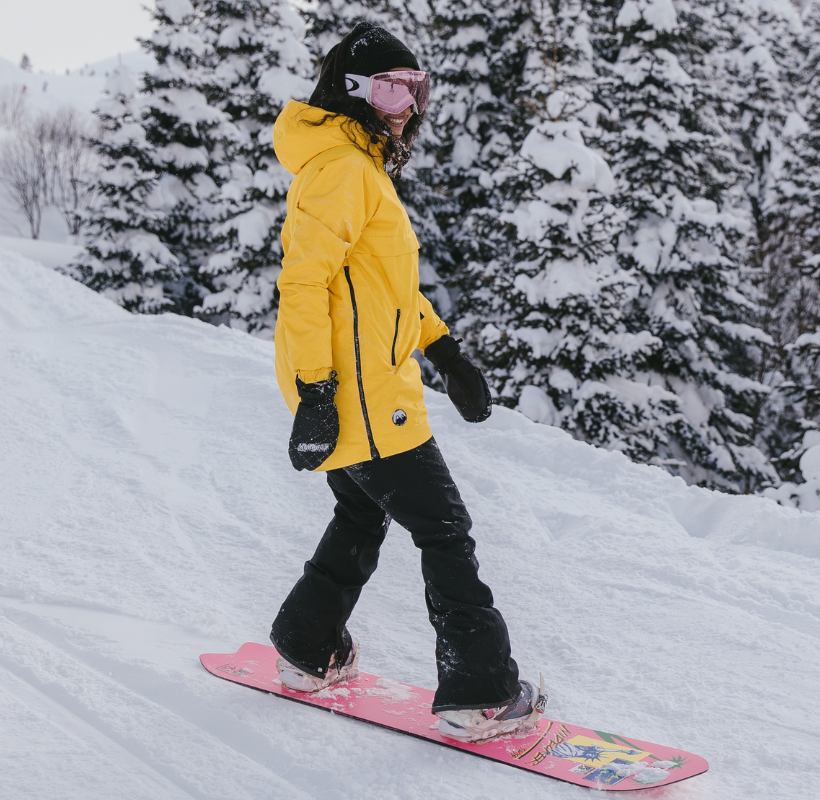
314	375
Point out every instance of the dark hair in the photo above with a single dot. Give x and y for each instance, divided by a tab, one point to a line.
380	51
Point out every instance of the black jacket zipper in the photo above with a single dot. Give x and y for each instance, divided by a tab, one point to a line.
395	338
374	453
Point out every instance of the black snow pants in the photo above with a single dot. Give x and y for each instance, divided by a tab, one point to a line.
475	668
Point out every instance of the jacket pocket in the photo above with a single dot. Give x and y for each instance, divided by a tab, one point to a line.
395	338
391	244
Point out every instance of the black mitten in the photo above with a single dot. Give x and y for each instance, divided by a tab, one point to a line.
465	384
316	426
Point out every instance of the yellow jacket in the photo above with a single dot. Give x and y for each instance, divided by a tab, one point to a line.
350	299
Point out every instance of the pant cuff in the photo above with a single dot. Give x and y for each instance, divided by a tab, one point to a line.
470	706
296	663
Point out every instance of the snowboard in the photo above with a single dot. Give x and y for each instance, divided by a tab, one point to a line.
554	749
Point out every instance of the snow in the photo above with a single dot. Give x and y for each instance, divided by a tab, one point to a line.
176	10
32	298
559	279
556	156
81	89
254	226
659	14
52	254
535	404
284	86
150	514
465	151
804	495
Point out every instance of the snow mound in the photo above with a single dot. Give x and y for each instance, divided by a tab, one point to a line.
33	296
50	254
150	514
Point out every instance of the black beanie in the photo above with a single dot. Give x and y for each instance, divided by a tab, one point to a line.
371	49
366	50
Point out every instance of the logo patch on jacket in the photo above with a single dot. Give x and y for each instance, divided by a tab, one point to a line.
399	417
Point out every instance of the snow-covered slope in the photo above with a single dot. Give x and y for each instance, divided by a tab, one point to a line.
51	254
149	513
80	89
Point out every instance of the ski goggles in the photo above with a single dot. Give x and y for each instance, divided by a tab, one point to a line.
392	92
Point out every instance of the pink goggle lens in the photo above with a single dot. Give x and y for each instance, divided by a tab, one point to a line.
392	92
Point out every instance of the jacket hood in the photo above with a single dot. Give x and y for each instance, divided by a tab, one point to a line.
296	144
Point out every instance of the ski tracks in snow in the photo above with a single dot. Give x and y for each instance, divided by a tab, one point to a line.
120	726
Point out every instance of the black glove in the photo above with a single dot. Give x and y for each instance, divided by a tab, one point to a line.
316	426
465	384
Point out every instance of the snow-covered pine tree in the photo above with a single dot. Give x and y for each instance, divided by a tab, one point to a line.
799	404
479	65
806	180
790	257
543	294
796	176
256	62
762	61
477	62
674	170
761	70
187	139
124	258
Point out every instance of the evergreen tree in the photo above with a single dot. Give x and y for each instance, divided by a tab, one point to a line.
761	63
791	262
683	238
124	258
477	61
255	63
479	64
543	294
183	141
188	140
804	171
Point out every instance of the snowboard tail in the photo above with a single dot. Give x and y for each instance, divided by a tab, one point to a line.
554	749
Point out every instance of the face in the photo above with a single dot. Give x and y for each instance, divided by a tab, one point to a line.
395	122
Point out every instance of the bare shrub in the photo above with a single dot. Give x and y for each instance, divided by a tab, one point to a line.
12	105
48	161
73	167
24	172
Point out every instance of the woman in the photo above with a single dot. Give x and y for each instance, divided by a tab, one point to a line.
350	316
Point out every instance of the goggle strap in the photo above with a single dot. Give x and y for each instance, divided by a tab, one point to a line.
357	85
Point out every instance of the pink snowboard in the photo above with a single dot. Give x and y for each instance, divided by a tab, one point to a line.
555	749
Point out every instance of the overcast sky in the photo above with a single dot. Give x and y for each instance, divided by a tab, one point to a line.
56	34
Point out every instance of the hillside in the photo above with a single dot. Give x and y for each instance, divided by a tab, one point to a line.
150	514
81	89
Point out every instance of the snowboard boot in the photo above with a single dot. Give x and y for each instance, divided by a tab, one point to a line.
293	677
473	725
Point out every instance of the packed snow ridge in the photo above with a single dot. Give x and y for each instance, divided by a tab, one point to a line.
150	514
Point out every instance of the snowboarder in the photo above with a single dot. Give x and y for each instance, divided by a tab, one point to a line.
350	316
